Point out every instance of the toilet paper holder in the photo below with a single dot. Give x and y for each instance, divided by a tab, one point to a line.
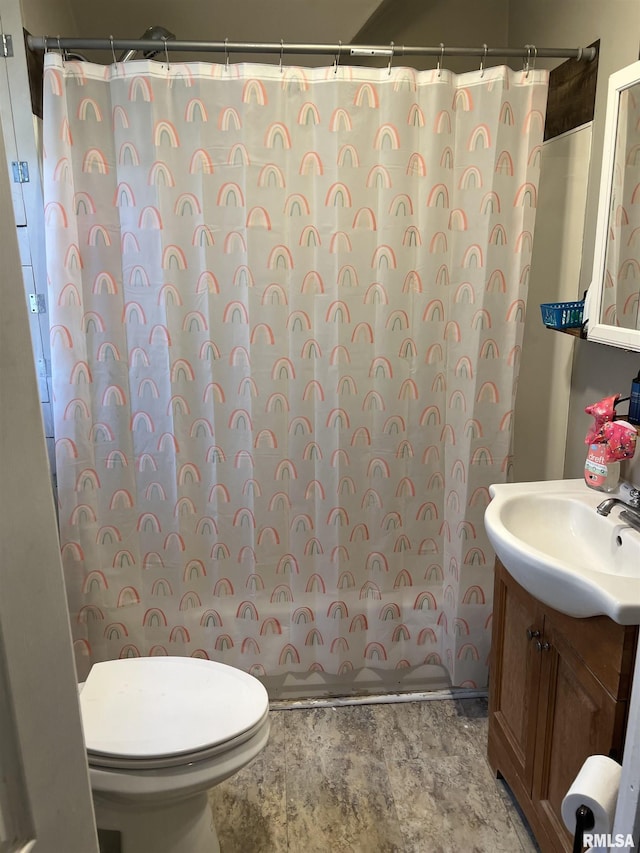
585	821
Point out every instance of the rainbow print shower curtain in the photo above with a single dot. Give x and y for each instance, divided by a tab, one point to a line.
287	308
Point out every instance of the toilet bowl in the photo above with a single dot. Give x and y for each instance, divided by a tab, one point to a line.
159	733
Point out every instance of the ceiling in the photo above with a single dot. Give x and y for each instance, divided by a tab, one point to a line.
302	21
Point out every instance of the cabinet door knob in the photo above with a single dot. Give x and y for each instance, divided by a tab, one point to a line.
532	633
543	647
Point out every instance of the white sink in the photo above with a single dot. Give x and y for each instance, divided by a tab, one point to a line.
554	544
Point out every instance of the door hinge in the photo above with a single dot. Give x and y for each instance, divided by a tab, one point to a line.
37	304
20	171
7	45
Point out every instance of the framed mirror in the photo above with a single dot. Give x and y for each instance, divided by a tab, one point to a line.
614	313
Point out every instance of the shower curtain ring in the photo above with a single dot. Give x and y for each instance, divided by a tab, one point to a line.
61	51
390	59
113	52
535	57
440	60
336	61
527	60
166	52
483	60
226	54
281	53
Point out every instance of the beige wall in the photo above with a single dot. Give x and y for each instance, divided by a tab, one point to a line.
454	22
597	370
238	20
243	20
48	17
542	402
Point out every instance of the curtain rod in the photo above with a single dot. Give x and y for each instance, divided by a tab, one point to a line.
528	52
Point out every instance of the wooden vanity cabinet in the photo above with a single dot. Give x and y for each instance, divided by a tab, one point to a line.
559	690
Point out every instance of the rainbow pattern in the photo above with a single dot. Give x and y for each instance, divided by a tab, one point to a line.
285	335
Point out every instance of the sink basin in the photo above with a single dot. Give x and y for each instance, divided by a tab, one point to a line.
553	543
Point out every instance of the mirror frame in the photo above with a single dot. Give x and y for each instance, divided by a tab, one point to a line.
597	331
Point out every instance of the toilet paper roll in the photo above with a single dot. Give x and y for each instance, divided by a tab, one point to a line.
595	786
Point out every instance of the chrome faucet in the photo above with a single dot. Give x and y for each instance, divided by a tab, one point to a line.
632	517
627	495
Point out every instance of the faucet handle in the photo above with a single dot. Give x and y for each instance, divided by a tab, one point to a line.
626	494
629	494
632	517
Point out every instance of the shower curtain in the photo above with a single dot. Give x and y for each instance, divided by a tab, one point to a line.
286	307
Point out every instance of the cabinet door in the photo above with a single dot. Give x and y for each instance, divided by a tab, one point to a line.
515	673
576	718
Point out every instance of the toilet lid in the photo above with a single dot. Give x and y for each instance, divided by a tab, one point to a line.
154	707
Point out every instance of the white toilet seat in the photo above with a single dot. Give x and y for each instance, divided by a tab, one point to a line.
114	762
150	713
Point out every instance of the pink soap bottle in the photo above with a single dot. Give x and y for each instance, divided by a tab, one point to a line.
598	473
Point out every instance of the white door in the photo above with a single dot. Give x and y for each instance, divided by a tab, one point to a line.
45	798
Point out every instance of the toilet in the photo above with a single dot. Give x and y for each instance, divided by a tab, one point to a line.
159	733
